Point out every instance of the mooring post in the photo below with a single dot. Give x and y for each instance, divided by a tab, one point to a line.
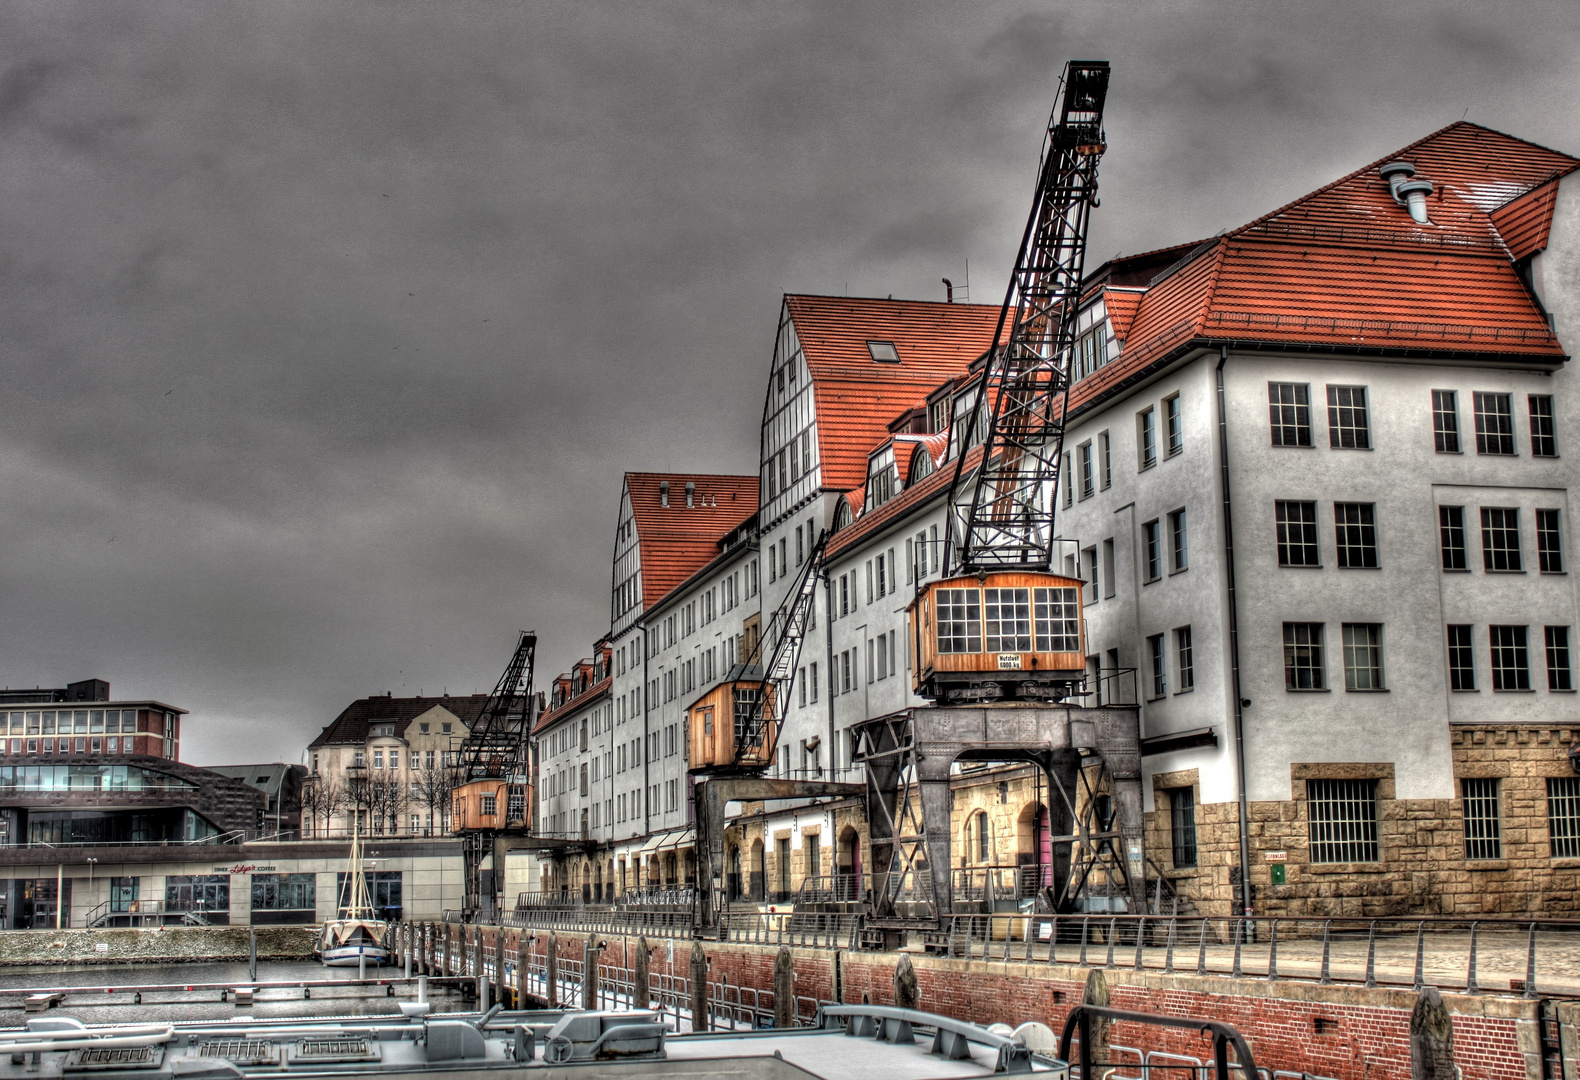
1094	1033
590	972
523	959
252	954
481	968
784	989
551	971
641	994
501	977
1431	1038
699	987
906	993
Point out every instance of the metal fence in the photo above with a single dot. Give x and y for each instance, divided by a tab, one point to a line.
818	929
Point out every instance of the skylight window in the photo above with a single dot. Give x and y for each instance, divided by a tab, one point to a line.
884	352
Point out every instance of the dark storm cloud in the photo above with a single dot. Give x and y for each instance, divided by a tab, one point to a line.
328	329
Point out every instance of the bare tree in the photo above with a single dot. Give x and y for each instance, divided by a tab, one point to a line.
433	784
389	800
323	794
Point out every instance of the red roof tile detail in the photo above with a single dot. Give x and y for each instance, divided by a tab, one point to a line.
881	517
1525	220
676	541
856	396
1121	305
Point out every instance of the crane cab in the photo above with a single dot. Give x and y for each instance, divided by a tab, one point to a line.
720	726
998	636
490	803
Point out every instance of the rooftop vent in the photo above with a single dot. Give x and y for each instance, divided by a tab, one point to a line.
1407	189
691	494
663	493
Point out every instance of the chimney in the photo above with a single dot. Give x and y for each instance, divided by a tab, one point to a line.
663	493
691	493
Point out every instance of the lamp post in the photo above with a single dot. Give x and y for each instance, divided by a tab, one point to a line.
91	860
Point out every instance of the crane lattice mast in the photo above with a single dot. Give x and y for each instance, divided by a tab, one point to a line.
1004	521
497	744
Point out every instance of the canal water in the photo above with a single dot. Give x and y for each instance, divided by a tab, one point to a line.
180	1004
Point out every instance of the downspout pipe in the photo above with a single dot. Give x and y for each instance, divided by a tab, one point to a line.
1234	642
828	638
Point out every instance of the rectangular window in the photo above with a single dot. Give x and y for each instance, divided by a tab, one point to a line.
1461	658
1178	544
1558	675
1289	406
1549	542
1355	535
1152	542
1160	683
1303	664
1563	816
1185	662
1107	460
1500	538
1007	619
1451	534
1483	836
1147	437
1109	584
1348	428
1342	820
959	620
1363	656
1174	425
1494	423
1084	455
1445	421
1069	481
1544	440
1182	826
1297	534
1511	665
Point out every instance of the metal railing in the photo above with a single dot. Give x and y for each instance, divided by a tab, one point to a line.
818	929
232	836
1476	954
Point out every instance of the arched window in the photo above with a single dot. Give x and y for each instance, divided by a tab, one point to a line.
979	838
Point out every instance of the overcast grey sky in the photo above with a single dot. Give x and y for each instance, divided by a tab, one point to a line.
329	328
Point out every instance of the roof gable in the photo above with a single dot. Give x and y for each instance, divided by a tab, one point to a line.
677	540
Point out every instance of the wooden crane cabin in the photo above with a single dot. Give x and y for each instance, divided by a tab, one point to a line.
999	635
491	803
720	726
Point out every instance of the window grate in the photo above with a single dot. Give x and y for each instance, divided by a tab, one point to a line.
1342	819
244	1051
1563	816
1483	834
1182	819
335	1049
1494	424
120	1057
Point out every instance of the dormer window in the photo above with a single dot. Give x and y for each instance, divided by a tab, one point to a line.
921	463
938	416
383	731
884	352
882	480
1093	348
964	403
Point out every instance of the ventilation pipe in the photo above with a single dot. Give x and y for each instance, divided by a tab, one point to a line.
663	493
691	494
1407	189
949	290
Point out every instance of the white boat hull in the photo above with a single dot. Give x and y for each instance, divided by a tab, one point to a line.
351	955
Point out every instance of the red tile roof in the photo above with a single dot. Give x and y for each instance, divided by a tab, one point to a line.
1122	305
1525	220
677	540
856	396
934	484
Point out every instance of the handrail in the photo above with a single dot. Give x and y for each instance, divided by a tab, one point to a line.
1223	1036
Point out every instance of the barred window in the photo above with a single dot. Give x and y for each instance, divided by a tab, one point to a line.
1342	820
1563	816
1355	535
1297	534
1160	682
1303	664
1348	428
1152	541
1445	421
1549	542
1085	452
1461	658
1500	538
1544	440
1511	666
1289	407
1494	424
1483	836
1182	826
1451	532
1363	656
1557	642
1186	664
1058	619
1007	619
959	620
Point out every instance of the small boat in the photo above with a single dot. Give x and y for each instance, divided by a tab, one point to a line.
359	936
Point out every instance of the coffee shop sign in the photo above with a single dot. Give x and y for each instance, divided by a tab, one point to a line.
243	868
